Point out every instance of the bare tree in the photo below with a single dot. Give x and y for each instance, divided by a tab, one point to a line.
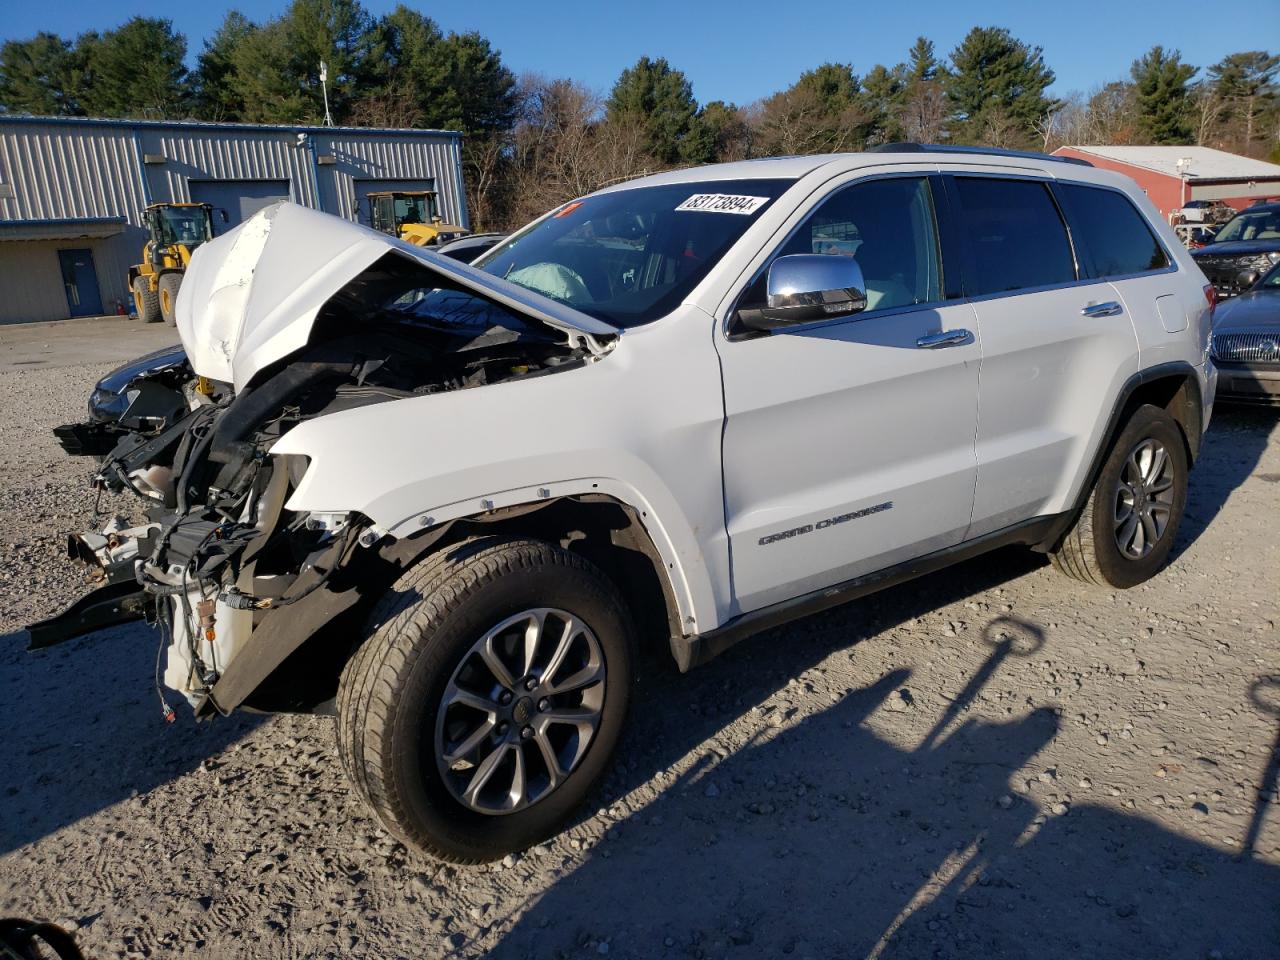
1000	128
924	112
798	121
563	148
1209	109
488	165
1070	122
1113	114
394	107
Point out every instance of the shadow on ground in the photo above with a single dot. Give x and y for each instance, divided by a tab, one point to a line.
809	842
81	728
1232	448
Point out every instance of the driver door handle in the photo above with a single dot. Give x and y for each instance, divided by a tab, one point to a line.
947	338
1108	309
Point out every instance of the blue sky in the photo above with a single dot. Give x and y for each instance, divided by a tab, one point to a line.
745	49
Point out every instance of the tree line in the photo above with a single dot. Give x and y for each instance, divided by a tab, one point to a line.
535	141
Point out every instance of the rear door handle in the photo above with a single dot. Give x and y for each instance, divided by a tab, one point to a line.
1108	309
947	338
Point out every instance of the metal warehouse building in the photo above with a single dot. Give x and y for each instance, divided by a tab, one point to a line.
1172	176
72	192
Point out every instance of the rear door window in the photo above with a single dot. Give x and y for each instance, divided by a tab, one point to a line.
1113	238
1012	236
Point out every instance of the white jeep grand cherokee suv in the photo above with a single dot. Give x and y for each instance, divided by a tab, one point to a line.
446	502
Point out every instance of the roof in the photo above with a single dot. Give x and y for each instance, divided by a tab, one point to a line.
1206	163
766	168
794	168
208	127
69	228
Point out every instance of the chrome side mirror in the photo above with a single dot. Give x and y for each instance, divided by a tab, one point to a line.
1246	279
805	287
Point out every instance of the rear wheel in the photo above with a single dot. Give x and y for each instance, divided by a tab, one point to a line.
487	699
146	301
1126	530
169	284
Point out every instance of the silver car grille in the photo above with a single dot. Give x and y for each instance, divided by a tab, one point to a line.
1247	347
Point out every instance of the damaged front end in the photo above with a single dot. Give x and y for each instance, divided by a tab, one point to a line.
293	316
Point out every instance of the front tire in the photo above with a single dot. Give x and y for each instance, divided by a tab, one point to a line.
1127	528
146	301
488	697
169	284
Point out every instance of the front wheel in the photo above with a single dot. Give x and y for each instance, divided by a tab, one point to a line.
488	697
146	302
169	284
1126	530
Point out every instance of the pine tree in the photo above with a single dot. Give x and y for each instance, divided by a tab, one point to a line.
921	109
136	70
660	99
998	83
41	76
922	64
214	91
1246	85
1161	86
883	89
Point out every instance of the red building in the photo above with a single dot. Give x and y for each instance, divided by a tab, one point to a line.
1171	176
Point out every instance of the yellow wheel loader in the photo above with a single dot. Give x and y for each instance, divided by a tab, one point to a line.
175	230
410	215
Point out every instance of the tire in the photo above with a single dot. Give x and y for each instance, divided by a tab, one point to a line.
146	301
169	284
405	699
1111	543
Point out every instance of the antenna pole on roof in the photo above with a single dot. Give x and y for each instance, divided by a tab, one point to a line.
324	89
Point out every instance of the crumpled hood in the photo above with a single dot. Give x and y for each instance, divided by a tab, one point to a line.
251	296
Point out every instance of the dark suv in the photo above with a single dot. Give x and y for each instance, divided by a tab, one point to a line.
1248	244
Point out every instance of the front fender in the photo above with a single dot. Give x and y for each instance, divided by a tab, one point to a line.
611	427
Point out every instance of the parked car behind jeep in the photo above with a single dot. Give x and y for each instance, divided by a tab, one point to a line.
1246	343
447	502
1248	244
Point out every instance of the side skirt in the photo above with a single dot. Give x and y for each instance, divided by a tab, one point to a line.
694	651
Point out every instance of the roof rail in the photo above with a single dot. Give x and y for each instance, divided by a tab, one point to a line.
985	151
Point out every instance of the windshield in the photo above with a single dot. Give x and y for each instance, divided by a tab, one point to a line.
187	225
1272	280
1263	225
630	256
414	209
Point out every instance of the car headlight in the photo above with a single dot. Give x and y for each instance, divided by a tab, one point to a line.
107	404
1272	257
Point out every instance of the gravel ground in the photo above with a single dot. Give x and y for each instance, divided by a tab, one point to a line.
990	762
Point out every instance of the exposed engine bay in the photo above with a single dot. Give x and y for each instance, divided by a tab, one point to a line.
216	555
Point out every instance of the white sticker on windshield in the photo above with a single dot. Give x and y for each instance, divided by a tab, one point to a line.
723	203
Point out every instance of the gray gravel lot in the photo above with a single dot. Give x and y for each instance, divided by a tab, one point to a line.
990	762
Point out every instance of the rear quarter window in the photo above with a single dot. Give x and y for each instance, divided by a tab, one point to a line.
1013	237
1113	238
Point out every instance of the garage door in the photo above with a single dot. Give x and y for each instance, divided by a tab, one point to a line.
241	199
366	187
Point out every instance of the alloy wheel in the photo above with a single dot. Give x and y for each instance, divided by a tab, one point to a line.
520	711
1144	499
